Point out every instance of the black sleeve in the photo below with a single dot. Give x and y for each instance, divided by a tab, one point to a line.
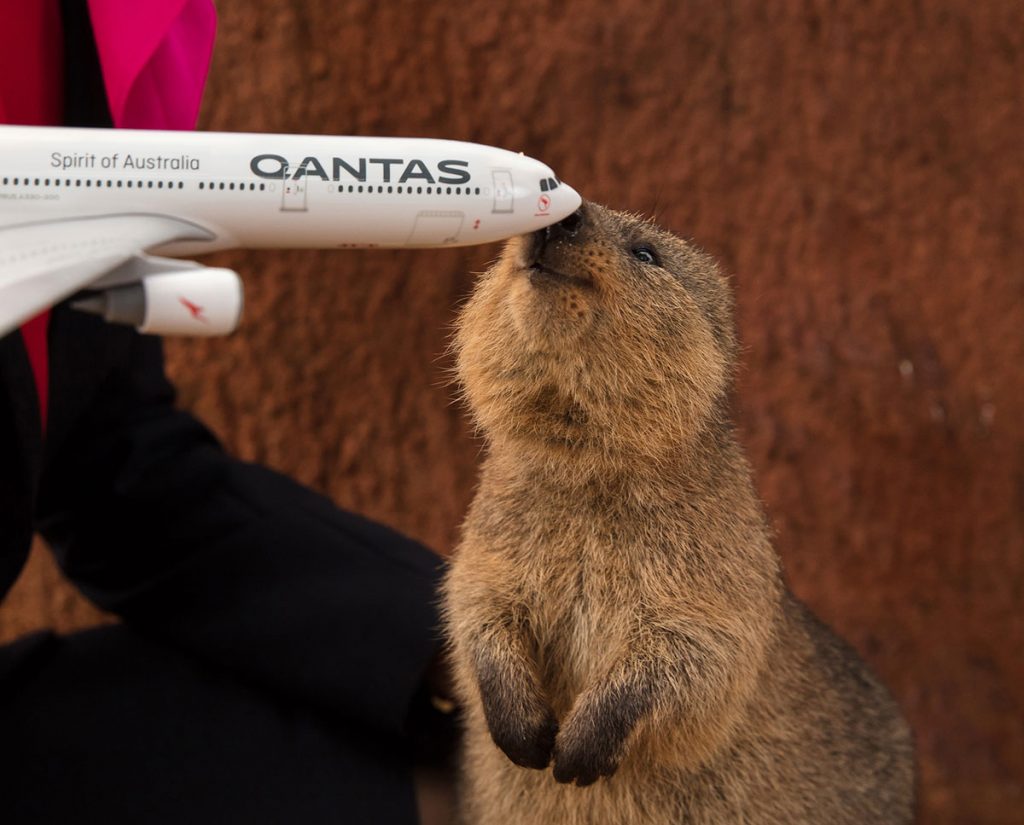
234	563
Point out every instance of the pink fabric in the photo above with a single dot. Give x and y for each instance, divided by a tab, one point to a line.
31	62
31	65
155	55
35	334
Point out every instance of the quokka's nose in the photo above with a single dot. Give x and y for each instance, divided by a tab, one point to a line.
568	227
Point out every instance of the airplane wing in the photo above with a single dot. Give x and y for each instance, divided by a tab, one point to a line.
43	262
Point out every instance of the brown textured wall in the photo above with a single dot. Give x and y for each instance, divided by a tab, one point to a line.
858	166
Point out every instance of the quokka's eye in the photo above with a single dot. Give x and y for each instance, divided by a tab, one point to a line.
645	254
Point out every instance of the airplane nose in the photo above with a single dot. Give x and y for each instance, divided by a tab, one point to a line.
569	199
562	201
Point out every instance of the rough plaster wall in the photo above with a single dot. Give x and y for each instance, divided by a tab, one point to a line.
858	168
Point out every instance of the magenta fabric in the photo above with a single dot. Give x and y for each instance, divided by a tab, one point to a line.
35	335
31	66
155	55
31	62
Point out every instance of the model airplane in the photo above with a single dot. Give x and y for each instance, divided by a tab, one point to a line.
110	210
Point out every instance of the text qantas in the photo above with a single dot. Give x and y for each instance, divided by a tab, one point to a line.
398	170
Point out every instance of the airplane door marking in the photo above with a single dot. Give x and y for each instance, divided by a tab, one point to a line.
293	193
503	191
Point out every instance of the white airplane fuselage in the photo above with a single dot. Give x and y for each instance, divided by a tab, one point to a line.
281	191
107	210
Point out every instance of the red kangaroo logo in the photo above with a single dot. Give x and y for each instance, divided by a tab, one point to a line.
195	309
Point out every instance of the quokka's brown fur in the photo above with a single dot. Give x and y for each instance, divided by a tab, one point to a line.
615	608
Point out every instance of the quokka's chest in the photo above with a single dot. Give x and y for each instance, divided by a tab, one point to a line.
580	610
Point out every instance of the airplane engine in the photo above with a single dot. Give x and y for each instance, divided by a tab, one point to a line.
204	301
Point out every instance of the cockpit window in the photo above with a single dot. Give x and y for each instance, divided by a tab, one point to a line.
548	184
543	186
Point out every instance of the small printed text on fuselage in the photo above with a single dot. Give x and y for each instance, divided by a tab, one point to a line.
133	162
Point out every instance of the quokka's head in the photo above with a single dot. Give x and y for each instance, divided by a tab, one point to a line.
601	336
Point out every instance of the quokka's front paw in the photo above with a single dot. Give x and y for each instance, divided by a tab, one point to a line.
585	751
524	729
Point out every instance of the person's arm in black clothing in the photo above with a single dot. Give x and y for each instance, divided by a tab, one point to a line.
235	563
